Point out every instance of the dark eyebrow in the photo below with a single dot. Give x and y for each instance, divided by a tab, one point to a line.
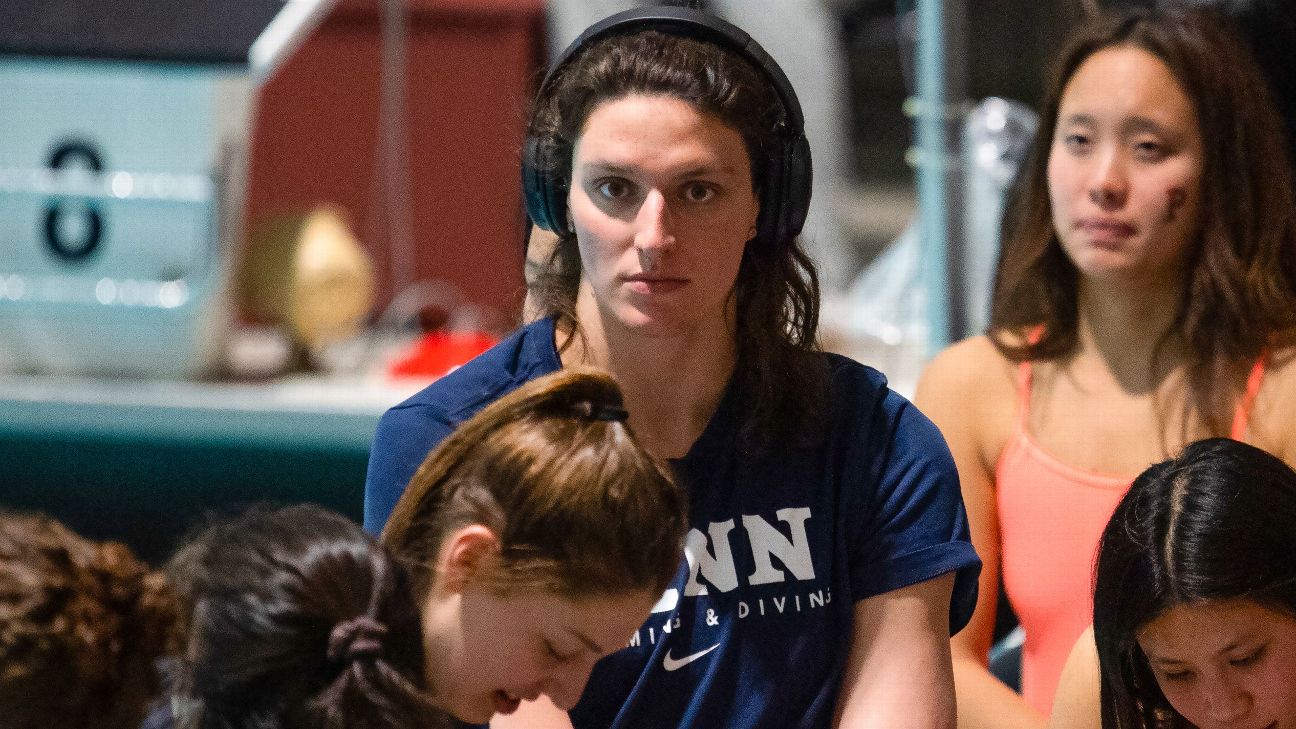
1079	119
1140	124
607	168
1226	649
611	168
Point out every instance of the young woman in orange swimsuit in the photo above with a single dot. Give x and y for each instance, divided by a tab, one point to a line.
1145	297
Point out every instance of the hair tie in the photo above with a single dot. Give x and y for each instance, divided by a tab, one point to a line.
359	637
600	411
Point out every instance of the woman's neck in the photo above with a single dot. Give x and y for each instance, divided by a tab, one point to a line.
1122	323
672	383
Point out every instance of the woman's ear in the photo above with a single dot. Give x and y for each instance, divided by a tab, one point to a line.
466	553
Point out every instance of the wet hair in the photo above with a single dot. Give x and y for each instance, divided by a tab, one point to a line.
1214	523
81	626
777	290
298	620
579	507
1239	296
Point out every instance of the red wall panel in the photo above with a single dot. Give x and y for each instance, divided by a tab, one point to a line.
470	73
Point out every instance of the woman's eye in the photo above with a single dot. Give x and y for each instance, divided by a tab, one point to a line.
1176	675
1149	150
554	653
698	192
613	189
1075	141
1246	660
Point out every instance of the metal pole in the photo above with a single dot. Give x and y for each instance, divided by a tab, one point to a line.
938	109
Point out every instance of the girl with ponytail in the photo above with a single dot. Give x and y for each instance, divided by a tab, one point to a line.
530	545
297	618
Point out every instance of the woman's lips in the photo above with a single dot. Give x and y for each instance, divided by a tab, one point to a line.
641	284
1102	230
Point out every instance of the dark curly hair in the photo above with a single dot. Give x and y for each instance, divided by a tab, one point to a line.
81	626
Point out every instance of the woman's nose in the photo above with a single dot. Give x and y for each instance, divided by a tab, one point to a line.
653	224
1226	701
1109	184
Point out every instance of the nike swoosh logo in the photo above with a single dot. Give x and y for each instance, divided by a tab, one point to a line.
674	664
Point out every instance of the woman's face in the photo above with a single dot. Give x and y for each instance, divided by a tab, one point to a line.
662	205
1125	168
1228	664
486	651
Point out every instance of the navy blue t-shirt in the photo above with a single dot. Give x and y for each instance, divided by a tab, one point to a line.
755	628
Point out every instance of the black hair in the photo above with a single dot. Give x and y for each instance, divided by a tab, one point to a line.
1214	523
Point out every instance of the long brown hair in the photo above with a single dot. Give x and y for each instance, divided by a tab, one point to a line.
1240	292
777	290
580	508
81	624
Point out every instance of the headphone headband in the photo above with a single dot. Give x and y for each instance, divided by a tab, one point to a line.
785	189
689	23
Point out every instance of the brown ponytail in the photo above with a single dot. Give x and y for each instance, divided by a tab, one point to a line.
298	620
553	469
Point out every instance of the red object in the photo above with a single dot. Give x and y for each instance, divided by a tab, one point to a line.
435	354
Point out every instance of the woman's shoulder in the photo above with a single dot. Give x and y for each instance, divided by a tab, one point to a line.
970	391
1273	419
969	369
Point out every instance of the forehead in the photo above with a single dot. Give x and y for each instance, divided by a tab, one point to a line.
639	128
1124	81
1187	631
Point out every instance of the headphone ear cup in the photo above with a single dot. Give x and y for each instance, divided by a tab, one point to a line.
546	198
786	198
797	178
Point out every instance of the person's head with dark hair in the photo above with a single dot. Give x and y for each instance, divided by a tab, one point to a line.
1195	594
1199	196
669	153
296	618
81	626
541	518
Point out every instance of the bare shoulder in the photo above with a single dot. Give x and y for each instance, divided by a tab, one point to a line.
970	391
1273	419
972	372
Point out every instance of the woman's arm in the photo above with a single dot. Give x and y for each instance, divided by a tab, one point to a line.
970	394
898	671
1076	703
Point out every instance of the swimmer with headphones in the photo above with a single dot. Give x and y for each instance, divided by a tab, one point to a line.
829	558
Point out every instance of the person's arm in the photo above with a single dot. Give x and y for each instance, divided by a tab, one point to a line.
1076	703
538	714
898	671
965	392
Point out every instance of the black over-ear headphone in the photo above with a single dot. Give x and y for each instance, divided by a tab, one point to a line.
785	194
